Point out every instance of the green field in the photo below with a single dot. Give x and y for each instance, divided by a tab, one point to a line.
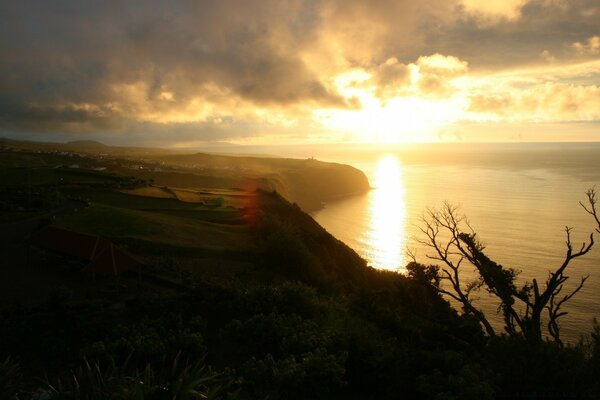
167	221
200	222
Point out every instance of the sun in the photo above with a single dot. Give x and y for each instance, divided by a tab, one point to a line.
398	120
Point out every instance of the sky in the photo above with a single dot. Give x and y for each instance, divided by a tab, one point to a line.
191	73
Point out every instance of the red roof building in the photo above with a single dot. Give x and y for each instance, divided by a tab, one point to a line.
103	256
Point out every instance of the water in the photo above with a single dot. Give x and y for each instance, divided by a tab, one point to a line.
518	198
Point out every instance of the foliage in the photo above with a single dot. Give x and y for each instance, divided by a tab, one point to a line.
312	375
453	243
284	252
286	298
544	368
148	341
466	383
291	340
589	346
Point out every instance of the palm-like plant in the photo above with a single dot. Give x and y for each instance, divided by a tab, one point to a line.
11	379
174	380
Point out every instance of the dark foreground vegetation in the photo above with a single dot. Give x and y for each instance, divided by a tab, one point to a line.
276	308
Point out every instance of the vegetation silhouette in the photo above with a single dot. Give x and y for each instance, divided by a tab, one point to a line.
454	243
281	309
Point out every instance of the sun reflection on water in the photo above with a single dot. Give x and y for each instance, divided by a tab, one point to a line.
387	211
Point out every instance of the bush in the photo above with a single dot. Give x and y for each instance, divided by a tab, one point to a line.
283	252
147	342
285	356
311	375
287	298
543	369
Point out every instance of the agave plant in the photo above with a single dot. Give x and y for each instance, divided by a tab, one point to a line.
92	382
178	379
174	380
11	379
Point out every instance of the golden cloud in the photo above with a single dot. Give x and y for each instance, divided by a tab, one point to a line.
428	76
509	9
554	102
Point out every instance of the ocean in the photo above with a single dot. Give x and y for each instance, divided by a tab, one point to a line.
517	197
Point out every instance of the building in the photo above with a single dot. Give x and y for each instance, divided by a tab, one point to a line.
97	254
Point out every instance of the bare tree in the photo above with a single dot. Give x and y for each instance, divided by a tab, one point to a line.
454	243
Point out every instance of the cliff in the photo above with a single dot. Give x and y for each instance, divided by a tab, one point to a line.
307	182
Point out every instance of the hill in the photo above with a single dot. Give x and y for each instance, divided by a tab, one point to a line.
239	269
308	182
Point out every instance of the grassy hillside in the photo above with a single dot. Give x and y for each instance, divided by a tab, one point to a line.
307	182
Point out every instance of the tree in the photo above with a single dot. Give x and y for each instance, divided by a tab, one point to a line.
454	243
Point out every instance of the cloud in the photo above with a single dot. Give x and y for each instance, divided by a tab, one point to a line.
498	104
367	33
92	64
555	102
590	46
502	42
392	73
442	65
117	66
436	73
391	78
48	118
510	9
547	56
428	76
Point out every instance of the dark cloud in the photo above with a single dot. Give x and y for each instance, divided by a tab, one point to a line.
121	58
543	25
371	32
392	73
15	116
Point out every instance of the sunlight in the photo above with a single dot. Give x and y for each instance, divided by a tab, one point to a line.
399	120
387	235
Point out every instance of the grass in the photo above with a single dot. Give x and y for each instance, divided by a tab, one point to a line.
221	216
151	191
153	248
197	233
205	229
49	176
123	200
110	221
188	196
15	216
212	199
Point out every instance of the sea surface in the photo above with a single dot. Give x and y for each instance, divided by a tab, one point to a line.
517	197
